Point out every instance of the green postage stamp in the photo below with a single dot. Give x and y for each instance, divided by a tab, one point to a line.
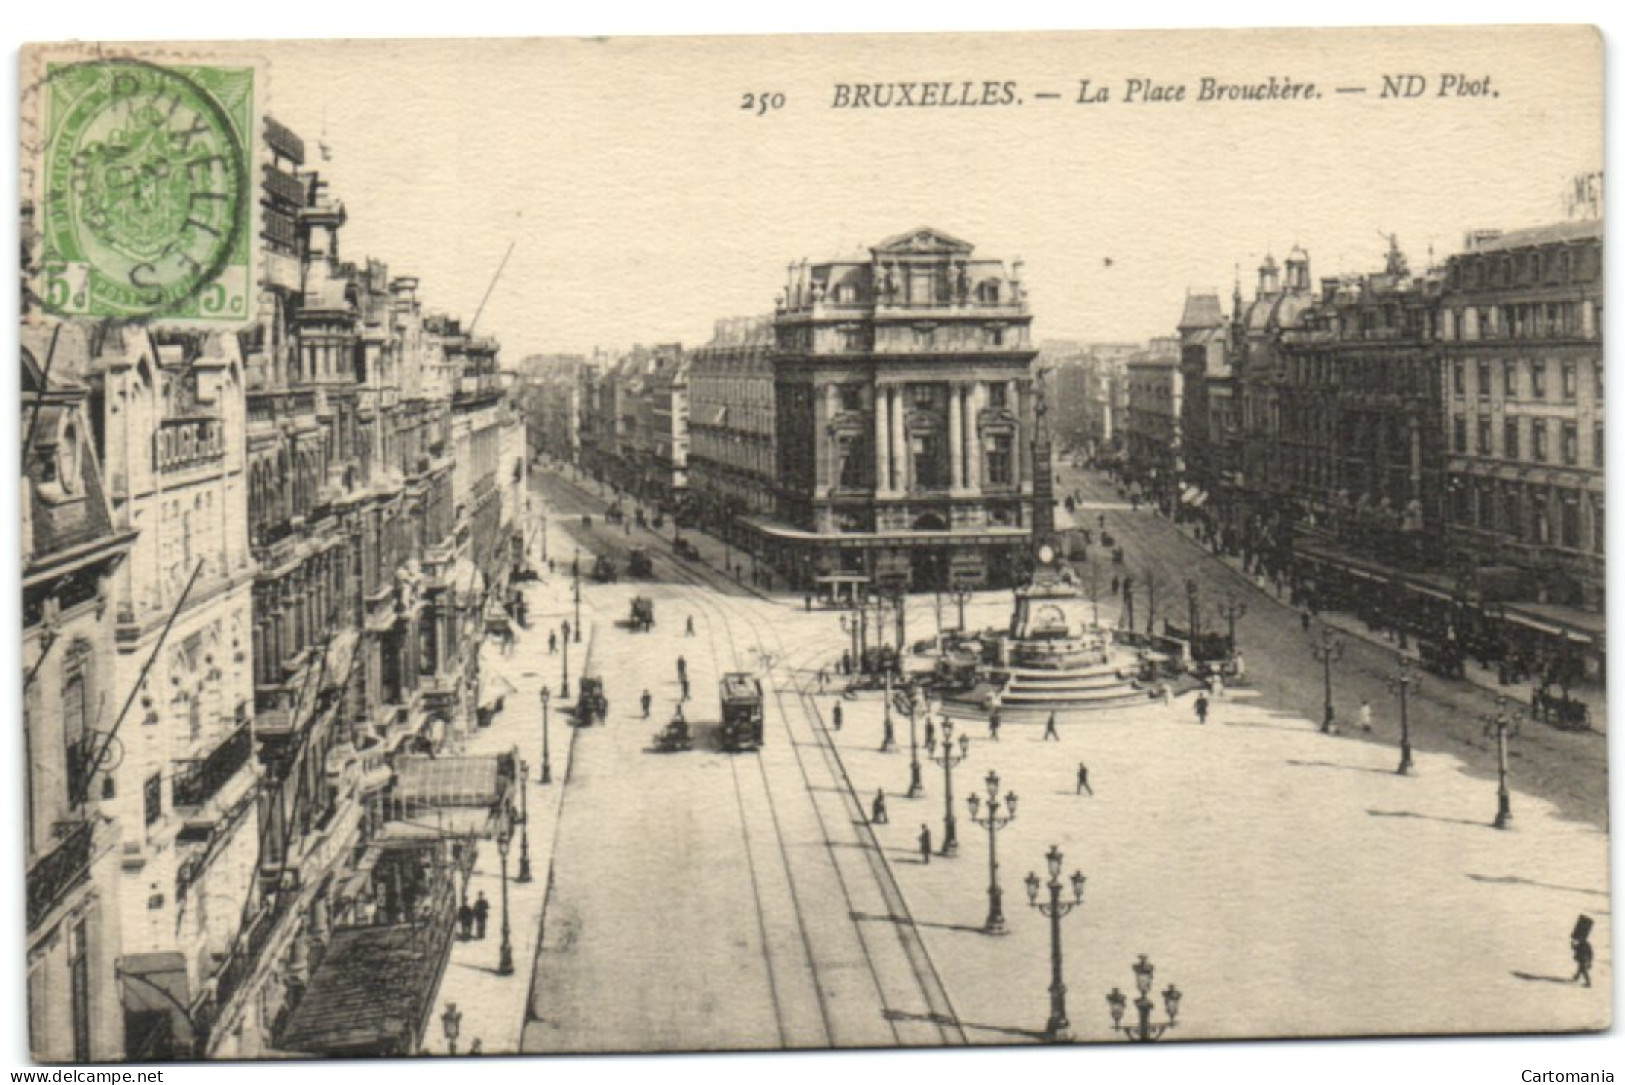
145	195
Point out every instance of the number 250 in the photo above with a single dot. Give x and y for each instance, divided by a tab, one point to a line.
761	103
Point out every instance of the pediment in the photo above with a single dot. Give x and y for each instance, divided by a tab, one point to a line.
923	239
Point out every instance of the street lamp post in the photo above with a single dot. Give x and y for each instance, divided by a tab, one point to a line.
915	704
1128	602
1150	601
504	840
1056	909
523	877
1143	1031
948	759
1328	651
1404	683
564	684
547	754
1190	604
888	736
993	820
1502	724
1232	609
577	593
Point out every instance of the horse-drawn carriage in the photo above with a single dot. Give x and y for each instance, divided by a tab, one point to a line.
638	563
675	735
591	705
643	614
685	550
603	570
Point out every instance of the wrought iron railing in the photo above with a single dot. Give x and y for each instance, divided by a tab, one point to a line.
59	870
197	781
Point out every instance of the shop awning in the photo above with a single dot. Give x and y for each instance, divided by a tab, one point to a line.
1579	626
371	995
450	781
868	539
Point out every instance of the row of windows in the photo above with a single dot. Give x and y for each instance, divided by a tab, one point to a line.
1511	383
1527	514
1532	320
1512	445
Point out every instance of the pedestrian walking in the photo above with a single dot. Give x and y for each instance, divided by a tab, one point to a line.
482	912
835	716
646	700
1365	714
993	722
1238	668
1216	684
1201	708
688	628
465	920
1580	943
930	733
1049	728
682	668
846	662
925	844
552	643
877	809
1083	780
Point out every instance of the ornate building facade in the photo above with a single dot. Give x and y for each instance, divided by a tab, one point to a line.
1521	342
907	422
71	549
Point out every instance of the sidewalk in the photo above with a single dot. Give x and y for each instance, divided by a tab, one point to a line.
1519	693
492	1005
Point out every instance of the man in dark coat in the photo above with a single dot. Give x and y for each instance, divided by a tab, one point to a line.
482	912
1049	728
925	844
465	920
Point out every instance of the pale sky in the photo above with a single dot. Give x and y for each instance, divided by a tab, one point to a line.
646	204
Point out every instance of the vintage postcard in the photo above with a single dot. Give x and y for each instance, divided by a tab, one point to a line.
791	543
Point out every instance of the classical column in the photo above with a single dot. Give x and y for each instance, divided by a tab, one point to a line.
882	440
832	467
1020	467
973	442
956	440
899	442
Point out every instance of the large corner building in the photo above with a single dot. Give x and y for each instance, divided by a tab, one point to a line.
907	426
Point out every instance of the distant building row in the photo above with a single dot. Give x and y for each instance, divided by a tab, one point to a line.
881	427
1434	440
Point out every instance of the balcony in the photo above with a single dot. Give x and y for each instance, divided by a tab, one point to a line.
59	870
185	443
198	781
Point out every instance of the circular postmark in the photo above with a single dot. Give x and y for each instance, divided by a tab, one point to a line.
145	200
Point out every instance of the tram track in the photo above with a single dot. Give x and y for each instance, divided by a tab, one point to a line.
897	973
